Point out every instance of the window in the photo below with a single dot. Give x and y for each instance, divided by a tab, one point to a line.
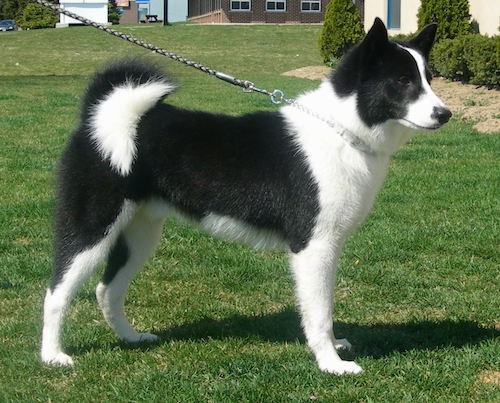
393	14
240	5
278	5
310	6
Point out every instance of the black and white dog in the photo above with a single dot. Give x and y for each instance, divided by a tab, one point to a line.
300	178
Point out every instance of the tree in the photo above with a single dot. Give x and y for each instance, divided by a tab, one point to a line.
452	17
113	14
36	16
11	9
342	29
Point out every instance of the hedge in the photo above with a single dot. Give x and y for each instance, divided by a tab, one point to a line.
471	59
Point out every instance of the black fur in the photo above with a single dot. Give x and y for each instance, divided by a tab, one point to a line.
244	167
118	257
89	198
384	76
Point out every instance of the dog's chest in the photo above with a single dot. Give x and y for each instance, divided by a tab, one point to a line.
348	183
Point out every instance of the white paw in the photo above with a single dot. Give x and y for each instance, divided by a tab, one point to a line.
141	338
57	359
342	344
339	367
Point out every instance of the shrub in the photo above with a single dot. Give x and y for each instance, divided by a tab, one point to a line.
403	37
452	17
35	16
448	60
113	14
471	58
342	29
483	59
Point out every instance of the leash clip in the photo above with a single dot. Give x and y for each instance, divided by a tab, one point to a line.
277	97
249	86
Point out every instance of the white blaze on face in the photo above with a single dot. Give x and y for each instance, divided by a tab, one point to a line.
421	113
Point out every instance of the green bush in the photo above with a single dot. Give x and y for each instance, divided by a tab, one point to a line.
35	16
452	17
113	14
471	59
483	59
342	29
448	60
403	37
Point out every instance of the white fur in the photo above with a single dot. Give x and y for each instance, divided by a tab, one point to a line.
115	118
220	226
314	278
348	180
141	235
236	230
420	112
79	270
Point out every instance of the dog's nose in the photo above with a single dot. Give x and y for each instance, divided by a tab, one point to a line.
441	114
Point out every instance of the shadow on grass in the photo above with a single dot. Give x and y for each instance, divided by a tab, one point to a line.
375	341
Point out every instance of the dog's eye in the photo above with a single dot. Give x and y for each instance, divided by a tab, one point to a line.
404	80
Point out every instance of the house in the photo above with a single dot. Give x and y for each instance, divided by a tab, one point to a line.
259	11
135	11
95	10
400	16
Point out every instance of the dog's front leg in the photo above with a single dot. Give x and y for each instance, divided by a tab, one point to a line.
314	272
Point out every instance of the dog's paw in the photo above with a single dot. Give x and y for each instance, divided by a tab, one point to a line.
342	344
57	359
339	367
141	338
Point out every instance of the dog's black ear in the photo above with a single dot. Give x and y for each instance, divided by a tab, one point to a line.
424	40
375	40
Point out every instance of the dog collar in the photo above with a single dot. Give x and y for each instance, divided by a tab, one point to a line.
356	142
347	135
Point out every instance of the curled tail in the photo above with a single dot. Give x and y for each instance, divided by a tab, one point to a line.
116	99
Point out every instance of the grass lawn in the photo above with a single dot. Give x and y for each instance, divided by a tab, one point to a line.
418	290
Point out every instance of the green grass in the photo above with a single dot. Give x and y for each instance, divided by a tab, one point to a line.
417	291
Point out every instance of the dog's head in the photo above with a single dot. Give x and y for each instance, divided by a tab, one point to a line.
391	80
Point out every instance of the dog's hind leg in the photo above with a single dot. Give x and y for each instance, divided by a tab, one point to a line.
134	246
314	273
71	272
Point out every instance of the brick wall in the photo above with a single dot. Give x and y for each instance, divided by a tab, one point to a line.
257	13
130	14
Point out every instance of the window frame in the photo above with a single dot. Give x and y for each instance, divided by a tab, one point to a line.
310	2
276	10
240	10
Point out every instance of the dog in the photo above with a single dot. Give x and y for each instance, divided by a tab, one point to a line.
302	178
